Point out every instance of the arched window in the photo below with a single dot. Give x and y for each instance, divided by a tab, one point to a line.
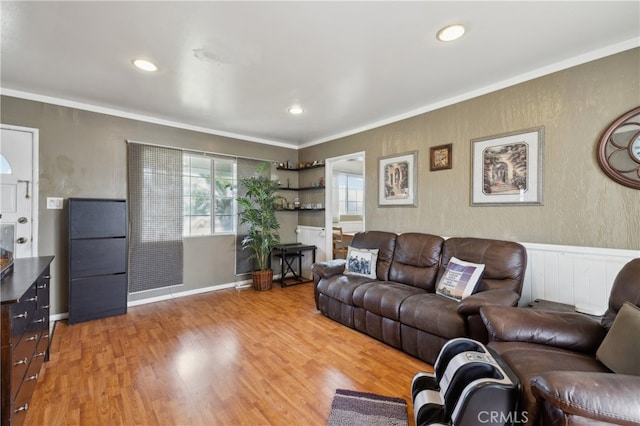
5	167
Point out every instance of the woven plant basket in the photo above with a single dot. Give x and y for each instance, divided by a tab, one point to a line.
262	280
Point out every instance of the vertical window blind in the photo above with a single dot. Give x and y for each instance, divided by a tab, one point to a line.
155	216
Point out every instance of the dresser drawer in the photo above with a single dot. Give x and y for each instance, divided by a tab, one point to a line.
21	358
42	350
21	313
42	289
39	321
22	400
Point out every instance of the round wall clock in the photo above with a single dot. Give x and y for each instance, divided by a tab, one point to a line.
619	150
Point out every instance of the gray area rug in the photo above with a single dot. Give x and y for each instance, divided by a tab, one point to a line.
359	408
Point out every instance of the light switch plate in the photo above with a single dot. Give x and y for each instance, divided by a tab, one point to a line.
54	203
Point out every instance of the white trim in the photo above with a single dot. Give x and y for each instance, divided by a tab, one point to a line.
35	180
238	285
583	250
540	72
135	116
575	275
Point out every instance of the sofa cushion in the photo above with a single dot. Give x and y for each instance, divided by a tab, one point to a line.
416	260
385	242
505	261
624	289
383	298
459	279
361	262
620	350
340	287
434	314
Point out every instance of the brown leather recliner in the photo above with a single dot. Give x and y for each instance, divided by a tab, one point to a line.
554	356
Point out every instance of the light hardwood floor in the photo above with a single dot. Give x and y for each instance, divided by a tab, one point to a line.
229	357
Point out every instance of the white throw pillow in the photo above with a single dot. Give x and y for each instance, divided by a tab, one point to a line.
459	279
361	262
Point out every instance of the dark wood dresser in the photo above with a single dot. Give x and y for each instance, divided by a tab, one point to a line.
25	334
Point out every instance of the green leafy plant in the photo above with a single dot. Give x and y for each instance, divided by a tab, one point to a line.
258	210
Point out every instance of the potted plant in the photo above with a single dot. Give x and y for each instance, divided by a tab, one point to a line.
258	210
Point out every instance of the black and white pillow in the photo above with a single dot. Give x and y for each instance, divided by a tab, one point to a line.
361	262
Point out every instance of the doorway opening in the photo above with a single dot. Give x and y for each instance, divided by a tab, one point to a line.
344	195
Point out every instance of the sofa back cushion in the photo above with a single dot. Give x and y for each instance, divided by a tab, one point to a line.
505	261
416	260
626	288
385	242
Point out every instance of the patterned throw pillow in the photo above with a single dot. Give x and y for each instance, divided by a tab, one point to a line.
459	279
361	262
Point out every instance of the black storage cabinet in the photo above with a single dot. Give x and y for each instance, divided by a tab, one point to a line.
97	258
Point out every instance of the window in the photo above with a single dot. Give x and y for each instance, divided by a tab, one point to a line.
209	195
5	167
350	193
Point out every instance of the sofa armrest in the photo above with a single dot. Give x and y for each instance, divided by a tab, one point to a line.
567	330
329	268
503	297
603	397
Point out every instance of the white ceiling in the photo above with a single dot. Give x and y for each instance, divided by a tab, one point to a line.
234	68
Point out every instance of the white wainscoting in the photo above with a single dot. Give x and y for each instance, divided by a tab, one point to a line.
580	276
314	235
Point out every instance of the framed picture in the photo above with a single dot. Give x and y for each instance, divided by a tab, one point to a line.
397	178
507	169
440	157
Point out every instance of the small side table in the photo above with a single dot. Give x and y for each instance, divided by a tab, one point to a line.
288	253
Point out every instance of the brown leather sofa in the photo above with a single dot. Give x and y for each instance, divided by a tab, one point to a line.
554	356
401	307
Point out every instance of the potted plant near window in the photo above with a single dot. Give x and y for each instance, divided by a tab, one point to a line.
258	210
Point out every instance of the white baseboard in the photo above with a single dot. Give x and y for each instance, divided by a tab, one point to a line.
239	285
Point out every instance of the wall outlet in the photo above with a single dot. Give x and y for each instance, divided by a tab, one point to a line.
54	203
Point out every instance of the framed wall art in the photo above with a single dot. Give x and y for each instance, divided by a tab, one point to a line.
507	169
440	158
397	180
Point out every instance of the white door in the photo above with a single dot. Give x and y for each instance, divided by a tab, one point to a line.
18	190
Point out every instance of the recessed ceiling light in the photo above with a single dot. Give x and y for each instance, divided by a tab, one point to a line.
295	110
145	65
450	32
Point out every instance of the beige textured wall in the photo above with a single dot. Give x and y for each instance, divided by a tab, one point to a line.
83	154
582	206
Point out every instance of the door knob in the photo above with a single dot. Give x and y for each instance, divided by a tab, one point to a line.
21	240
23	220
